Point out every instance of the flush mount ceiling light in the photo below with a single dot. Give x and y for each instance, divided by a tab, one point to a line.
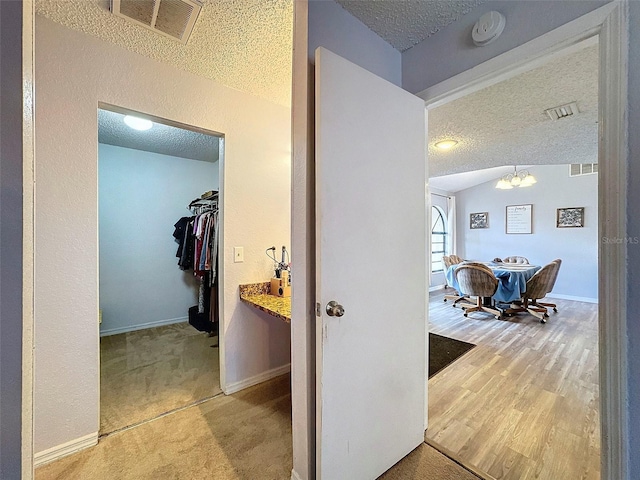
138	123
520	178
446	144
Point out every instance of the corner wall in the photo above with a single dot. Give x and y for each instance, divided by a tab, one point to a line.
74	72
141	196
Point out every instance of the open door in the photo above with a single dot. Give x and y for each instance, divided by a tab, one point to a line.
371	277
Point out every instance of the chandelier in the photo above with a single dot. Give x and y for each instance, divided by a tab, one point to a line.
520	178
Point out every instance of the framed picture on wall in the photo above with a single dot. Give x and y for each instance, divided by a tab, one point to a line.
479	220
519	218
570	217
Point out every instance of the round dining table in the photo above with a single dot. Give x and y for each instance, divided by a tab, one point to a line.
512	279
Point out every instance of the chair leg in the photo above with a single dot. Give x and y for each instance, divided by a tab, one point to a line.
538	311
479	307
550	305
456	299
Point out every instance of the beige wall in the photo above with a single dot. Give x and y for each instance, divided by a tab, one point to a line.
73	73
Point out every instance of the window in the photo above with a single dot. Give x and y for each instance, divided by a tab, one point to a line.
438	238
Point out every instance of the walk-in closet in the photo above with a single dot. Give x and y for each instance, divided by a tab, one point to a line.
158	267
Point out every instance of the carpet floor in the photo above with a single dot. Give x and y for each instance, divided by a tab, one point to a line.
443	351
244	436
149	372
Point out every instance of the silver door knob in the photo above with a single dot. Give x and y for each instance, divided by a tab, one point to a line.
334	309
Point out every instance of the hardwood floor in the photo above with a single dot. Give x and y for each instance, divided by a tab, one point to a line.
524	402
149	372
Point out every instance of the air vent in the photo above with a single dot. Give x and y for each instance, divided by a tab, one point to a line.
577	169
562	111
171	18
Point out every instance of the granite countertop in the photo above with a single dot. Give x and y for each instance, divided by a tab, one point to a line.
257	295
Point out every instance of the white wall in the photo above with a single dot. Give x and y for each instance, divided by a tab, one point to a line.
141	196
74	72
577	247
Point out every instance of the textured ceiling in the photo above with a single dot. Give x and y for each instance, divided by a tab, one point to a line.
405	23
505	124
243	44
160	138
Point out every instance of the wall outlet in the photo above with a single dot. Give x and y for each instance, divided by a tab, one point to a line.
238	254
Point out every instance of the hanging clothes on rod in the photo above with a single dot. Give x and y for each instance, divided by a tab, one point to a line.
197	237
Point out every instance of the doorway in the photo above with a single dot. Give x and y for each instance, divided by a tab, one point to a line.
520	395
158	210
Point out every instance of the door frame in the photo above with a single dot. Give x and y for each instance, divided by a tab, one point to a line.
221	265
607	25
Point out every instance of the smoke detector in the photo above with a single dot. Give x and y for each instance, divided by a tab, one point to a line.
172	18
488	28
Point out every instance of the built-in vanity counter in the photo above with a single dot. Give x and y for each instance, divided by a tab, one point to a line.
257	295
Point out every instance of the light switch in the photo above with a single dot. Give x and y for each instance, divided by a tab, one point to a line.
238	254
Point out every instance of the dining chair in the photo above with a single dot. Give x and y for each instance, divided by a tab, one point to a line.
537	287
552	282
476	279
455	259
515	259
449	260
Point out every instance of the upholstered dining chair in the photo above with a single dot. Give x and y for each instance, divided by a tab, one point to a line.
515	259
537	288
476	279
552	282
449	260
455	259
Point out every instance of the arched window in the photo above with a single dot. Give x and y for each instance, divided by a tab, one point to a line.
438	238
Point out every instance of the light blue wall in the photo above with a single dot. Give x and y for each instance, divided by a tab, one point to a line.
11	240
141	196
577	247
451	50
332	27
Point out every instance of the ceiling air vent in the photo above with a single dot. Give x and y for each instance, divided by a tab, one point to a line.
171	18
563	111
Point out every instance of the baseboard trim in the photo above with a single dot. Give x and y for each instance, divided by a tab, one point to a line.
59	451
572	297
437	287
256	379
295	476
142	326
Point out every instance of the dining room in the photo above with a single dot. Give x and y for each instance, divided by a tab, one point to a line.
514	201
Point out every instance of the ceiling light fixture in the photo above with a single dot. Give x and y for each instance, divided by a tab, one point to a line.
446	144
138	123
520	178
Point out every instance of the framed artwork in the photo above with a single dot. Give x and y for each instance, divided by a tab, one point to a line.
519	218
570	217
479	220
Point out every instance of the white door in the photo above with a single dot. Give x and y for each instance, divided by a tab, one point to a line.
370	259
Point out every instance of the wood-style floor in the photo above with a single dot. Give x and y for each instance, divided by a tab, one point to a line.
149	372
524	402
